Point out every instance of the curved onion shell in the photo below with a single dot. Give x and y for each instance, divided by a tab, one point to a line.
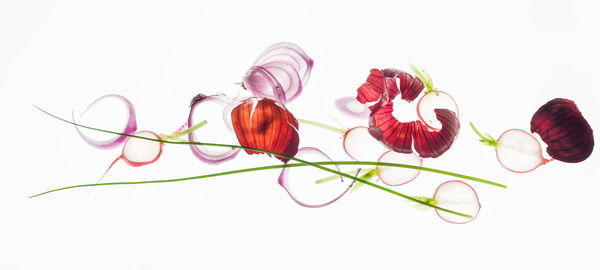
267	125
562	127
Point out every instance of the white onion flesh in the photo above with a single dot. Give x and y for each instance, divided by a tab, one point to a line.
140	151
360	145
457	196
519	151
395	176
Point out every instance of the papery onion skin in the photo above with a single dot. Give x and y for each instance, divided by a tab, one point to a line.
562	127
267	125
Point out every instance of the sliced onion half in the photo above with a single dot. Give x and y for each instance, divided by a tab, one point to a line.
395	176
99	117
457	196
431	101
203	108
300	182
360	145
519	151
352	107
291	53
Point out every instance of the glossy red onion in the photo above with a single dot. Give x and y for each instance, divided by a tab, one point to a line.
562	127
267	125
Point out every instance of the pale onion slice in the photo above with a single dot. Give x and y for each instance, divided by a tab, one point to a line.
216	130
288	52
431	101
274	80
457	196
300	182
139	152
395	176
519	151
351	107
129	126
360	145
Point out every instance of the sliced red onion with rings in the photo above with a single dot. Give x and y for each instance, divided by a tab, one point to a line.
301	182
202	108
262	83
351	107
288	52
130	125
457	196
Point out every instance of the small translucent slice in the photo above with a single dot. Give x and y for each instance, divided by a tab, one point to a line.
289	52
360	145
519	151
300	182
431	101
395	176
139	152
111	112
217	130
352	107
457	196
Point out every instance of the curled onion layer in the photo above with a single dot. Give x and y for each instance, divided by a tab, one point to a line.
300	182
129	128
290	53
383	86
351	107
457	196
279	73
562	127
266	124
205	105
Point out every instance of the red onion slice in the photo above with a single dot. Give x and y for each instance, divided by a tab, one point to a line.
129	127
300	182
457	196
203	108
351	107
262	83
288	52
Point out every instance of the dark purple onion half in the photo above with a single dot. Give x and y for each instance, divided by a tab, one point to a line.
562	127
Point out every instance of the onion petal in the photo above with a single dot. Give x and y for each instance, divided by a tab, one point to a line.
300	182
289	52
212	155
351	107
130	126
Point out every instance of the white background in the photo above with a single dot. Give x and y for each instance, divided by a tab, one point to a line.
499	60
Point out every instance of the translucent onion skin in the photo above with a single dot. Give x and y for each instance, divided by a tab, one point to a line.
266	124
562	127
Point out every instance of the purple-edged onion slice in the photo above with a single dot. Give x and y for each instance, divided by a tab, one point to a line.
457	196
351	107
105	119
288	52
203	108
300	182
395	176
274	80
